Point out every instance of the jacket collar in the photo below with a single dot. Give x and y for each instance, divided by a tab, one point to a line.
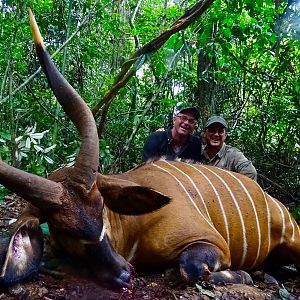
220	154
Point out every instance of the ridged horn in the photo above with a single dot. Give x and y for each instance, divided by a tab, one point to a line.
37	190
86	165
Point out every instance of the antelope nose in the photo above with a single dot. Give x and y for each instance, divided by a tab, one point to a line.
125	276
125	279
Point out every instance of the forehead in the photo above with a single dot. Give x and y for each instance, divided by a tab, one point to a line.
216	126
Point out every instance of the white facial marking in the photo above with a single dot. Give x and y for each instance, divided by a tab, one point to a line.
102	233
132	251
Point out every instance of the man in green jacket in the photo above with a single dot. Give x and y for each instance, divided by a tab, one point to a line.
217	153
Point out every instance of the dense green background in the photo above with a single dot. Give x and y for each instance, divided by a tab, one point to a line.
241	60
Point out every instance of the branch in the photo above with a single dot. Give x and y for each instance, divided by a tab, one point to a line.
128	69
131	23
79	26
148	107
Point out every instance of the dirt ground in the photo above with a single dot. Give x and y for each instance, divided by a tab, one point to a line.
162	285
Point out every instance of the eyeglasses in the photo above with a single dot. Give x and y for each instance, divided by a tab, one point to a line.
183	118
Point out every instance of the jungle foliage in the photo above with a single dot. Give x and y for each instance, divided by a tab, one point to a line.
240	60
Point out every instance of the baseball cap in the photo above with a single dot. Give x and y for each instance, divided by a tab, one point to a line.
182	108
215	119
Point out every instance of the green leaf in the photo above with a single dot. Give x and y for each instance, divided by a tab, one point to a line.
139	62
286	295
48	159
45	228
204	291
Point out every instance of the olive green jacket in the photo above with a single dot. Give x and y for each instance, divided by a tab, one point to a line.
232	159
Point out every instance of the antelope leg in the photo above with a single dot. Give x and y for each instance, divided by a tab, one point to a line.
203	261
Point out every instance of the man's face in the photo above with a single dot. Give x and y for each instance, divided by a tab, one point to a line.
215	135
184	123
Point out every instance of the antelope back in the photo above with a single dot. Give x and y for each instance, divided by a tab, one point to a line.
214	205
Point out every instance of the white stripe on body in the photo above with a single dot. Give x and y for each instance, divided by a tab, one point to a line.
269	218
282	220
245	245
297	226
187	193
256	217
193	184
292	223
220	204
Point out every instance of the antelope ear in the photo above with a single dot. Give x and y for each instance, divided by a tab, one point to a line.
20	255
128	198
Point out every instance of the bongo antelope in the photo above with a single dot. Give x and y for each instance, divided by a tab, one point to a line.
209	220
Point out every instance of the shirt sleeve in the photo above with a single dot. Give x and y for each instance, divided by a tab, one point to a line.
243	165
151	147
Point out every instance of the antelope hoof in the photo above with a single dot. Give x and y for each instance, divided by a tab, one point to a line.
198	261
228	276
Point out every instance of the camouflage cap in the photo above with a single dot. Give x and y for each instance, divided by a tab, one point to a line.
216	119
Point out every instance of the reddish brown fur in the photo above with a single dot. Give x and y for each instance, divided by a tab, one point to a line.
162	235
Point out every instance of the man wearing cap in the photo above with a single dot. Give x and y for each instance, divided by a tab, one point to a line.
177	142
217	153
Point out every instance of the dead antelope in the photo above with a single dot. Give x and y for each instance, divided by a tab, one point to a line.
216	219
